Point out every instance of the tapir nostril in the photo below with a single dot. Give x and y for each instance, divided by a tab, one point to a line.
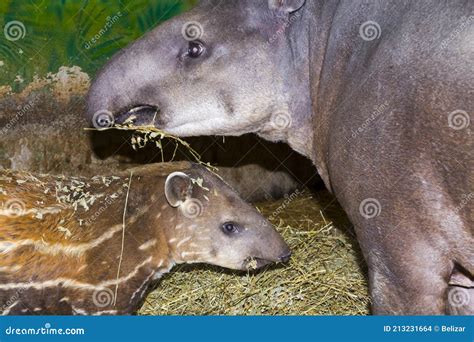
285	257
138	116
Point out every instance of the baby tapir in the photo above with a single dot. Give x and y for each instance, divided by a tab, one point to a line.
72	245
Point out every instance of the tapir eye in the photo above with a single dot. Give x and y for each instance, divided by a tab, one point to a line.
195	49
230	228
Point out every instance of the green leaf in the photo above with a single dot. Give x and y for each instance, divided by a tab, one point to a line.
57	31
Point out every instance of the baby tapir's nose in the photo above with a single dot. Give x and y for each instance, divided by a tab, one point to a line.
285	257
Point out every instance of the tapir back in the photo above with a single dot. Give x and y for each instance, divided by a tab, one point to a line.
60	236
71	245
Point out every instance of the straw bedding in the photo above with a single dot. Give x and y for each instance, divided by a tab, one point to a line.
326	274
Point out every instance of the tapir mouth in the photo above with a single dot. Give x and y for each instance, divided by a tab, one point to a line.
253	263
139	115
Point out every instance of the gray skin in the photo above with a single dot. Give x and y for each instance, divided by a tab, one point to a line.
372	115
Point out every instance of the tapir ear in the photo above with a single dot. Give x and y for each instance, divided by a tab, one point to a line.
286	6
178	188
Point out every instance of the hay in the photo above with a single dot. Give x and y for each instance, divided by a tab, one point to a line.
144	135
324	276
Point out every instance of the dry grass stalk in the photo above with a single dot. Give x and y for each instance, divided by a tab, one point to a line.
144	135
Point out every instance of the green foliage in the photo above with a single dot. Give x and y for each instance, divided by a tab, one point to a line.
72	32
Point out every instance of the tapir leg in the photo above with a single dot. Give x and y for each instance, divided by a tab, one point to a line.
411	231
411	249
412	280
424	296
411	268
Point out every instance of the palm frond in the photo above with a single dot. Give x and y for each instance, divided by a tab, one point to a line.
59	32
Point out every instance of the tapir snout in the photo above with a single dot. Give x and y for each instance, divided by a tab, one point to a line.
194	86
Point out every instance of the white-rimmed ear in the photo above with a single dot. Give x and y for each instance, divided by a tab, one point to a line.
287	6
178	188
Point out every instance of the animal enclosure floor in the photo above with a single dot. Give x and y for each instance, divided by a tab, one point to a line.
326	274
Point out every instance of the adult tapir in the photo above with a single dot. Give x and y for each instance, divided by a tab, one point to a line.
378	94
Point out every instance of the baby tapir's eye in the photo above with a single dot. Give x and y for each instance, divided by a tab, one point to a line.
230	228
195	49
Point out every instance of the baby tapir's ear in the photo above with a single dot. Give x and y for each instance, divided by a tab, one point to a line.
287	6
178	187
